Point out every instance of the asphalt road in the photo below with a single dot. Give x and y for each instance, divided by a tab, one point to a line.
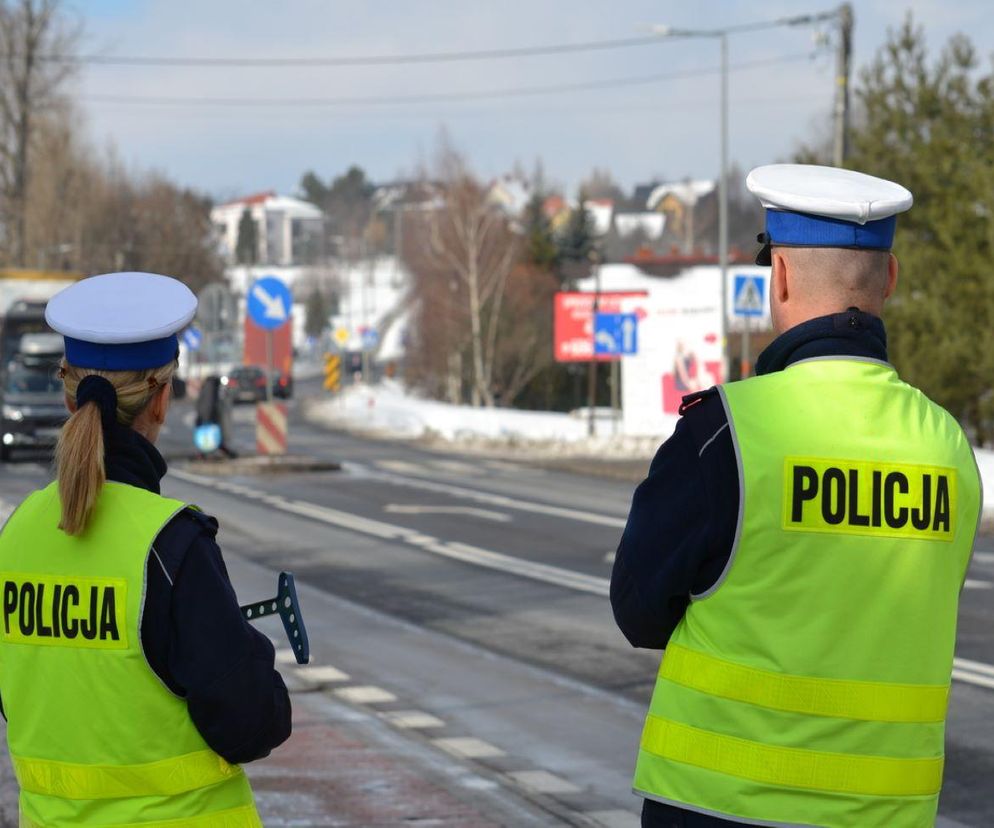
474	591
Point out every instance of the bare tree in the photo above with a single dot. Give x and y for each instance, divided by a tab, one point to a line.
473	240
35	45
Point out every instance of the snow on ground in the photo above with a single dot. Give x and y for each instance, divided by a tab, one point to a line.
389	410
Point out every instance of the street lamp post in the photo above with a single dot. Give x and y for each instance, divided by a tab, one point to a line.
843	13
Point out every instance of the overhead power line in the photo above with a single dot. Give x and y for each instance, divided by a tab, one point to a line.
95	59
439	97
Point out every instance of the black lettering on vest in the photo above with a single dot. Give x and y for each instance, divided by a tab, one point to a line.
877	492
855	518
56	598
833	505
921	518
42	630
26	613
89	630
895	518
108	616
941	504
9	603
69	625
805	488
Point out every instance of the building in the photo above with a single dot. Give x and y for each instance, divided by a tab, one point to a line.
288	230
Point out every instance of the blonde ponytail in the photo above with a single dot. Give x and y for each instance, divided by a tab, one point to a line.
79	457
79	454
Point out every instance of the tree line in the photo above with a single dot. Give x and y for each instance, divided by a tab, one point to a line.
63	204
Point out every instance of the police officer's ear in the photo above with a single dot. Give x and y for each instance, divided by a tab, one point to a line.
158	406
779	278
892	270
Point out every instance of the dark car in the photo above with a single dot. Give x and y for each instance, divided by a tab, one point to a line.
282	385
246	384
33	405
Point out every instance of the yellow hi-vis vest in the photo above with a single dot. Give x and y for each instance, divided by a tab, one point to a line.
810	685
94	736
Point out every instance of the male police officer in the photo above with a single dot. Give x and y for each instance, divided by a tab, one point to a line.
799	547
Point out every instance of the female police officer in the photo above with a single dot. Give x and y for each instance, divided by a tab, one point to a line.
131	684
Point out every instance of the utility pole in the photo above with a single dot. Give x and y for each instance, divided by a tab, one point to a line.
843	66
592	367
723	209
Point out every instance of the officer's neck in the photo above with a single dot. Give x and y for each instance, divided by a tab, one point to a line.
852	333
130	458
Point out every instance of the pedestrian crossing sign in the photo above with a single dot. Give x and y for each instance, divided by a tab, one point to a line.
750	295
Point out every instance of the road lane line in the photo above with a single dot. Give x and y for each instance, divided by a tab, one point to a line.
974	672
974	666
973	678
973	583
365	694
542	781
413	719
427	485
983	557
468	511
468	747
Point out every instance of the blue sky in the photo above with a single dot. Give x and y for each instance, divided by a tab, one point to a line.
668	128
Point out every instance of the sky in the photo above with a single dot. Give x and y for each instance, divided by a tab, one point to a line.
780	85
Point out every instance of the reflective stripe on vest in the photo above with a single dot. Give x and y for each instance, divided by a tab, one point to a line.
244	817
809	685
163	778
793	767
869	700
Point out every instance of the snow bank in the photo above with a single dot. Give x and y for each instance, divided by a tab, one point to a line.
390	411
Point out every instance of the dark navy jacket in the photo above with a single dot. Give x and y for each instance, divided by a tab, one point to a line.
681	525
192	631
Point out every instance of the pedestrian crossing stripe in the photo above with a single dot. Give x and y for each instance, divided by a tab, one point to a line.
749	292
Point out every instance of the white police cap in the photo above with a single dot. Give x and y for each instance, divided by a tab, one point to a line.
812	206
122	321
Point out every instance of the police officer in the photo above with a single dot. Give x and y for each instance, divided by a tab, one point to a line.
131	684
798	549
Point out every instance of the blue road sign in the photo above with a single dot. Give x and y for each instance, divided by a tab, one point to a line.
750	295
370	339
615	334
207	438
193	338
269	303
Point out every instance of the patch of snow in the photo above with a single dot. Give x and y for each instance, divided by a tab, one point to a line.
389	410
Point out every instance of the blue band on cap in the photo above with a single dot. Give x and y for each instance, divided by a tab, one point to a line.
803	229
131	356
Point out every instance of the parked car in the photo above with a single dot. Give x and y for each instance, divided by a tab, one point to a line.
246	383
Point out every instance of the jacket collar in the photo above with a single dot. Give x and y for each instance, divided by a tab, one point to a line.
849	334
130	458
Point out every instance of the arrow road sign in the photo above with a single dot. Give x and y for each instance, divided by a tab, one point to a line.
269	302
615	334
750	295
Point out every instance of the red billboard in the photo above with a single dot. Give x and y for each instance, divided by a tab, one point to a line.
574	322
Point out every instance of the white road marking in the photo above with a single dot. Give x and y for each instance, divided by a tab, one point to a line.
542	781
6	510
609	556
426	485
983	557
975	666
322	675
973	583
284	655
468	511
973	678
413	719
615	819
468	747
365	694
973	672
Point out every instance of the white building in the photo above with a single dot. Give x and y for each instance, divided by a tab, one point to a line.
287	229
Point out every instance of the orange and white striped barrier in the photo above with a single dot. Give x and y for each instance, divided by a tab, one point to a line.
270	428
